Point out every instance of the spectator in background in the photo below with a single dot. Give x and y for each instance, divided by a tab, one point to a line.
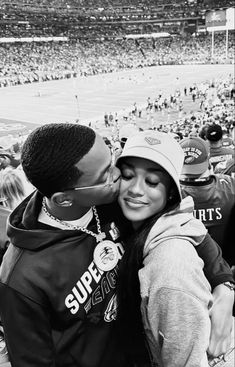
226	167
227	141
213	194
218	153
3	350
106	120
4	240
12	188
5	159
8	159
202	131
229	252
4	243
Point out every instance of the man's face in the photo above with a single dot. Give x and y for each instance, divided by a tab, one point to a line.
97	170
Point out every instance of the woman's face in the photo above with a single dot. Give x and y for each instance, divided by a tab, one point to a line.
144	189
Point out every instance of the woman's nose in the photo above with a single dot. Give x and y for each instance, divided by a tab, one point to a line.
136	187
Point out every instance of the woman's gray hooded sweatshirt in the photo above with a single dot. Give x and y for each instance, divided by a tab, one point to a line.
176	295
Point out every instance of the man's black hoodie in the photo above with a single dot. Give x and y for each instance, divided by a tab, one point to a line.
58	309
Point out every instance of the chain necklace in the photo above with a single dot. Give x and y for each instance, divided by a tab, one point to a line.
106	254
99	236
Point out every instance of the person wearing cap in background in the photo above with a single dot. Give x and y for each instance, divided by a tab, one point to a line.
213	194
218	153
163	291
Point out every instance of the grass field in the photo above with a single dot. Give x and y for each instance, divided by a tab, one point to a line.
24	107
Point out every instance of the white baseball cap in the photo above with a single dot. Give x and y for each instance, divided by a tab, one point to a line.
157	147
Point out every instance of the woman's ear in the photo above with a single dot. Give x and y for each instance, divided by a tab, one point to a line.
61	199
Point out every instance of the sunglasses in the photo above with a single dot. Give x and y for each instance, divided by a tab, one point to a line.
109	181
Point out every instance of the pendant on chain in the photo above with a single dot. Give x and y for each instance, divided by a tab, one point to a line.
106	255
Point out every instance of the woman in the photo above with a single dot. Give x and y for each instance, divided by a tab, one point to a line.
166	281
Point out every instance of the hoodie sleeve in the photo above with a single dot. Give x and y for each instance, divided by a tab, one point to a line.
176	315
216	269
27	331
182	331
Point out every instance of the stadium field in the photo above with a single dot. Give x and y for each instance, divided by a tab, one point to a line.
86	99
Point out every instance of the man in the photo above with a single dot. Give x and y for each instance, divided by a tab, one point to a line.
218	153
213	194
59	276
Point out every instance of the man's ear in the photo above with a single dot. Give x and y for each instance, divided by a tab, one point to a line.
62	199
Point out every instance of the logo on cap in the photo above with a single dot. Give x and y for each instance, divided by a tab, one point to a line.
191	154
189	160
152	141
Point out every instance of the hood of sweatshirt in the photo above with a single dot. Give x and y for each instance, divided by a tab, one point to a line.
24	220
178	223
26	232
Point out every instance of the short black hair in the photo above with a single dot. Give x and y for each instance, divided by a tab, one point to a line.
214	132
50	153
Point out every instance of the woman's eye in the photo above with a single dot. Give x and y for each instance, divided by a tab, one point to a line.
126	175
151	183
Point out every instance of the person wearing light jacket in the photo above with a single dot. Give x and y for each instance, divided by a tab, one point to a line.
167	300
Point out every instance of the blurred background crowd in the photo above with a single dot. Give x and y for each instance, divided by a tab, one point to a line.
94	37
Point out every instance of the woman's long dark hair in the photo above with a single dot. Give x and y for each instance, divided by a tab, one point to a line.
130	320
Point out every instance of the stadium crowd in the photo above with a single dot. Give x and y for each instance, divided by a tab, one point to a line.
112	10
32	62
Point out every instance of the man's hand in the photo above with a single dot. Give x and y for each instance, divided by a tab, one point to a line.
221	321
